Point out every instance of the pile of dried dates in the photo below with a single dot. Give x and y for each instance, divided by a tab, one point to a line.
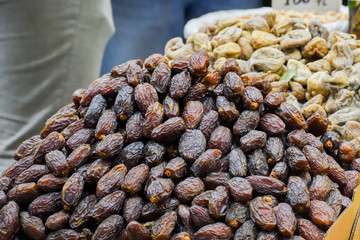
177	150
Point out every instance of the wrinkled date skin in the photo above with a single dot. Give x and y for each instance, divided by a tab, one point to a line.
193	144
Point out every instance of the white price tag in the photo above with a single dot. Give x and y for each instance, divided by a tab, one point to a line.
307	5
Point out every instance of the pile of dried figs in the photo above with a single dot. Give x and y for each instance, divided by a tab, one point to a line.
317	69
178	150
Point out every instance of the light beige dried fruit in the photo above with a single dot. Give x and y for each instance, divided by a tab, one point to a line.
267	59
340	55
227	35
302	72
175	49
295	38
315	47
257	23
199	41
316	84
246	48
228	50
261	39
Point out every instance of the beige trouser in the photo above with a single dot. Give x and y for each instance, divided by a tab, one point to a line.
48	49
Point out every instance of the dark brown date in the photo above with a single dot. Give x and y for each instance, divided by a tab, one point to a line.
50	183
111	181
145	95
108	205
57	220
135	178
132	208
97	169
296	160
218	202
110	146
110	228
187	189
10	220
72	191
160	189
136	231
346	152
308	230
237	163
246	231
201	216
18	167
23	193
199	62
32	174
220	138
247	121
214	231
191	145
5	183
154	153
193	112
56	162
211	79
267	185
208	123
81	214
353	180
336	172
184	219
83	136
153	118
236	215
257	164
291	116
153	60
274	99
164	226
124	103
215	179
262	214
240	189
176	168
226	109
97	106
233	85
274	150
170	130
253	140
131	155
106	125
317	123
207	162
53	141
285	219
298	195
180	84
46	204
160	78
322	214
251	98
317	161
134	127
272	125
172	108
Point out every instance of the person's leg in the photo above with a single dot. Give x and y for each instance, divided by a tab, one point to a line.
48	49
142	28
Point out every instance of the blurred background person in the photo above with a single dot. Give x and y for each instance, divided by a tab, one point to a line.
47	50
